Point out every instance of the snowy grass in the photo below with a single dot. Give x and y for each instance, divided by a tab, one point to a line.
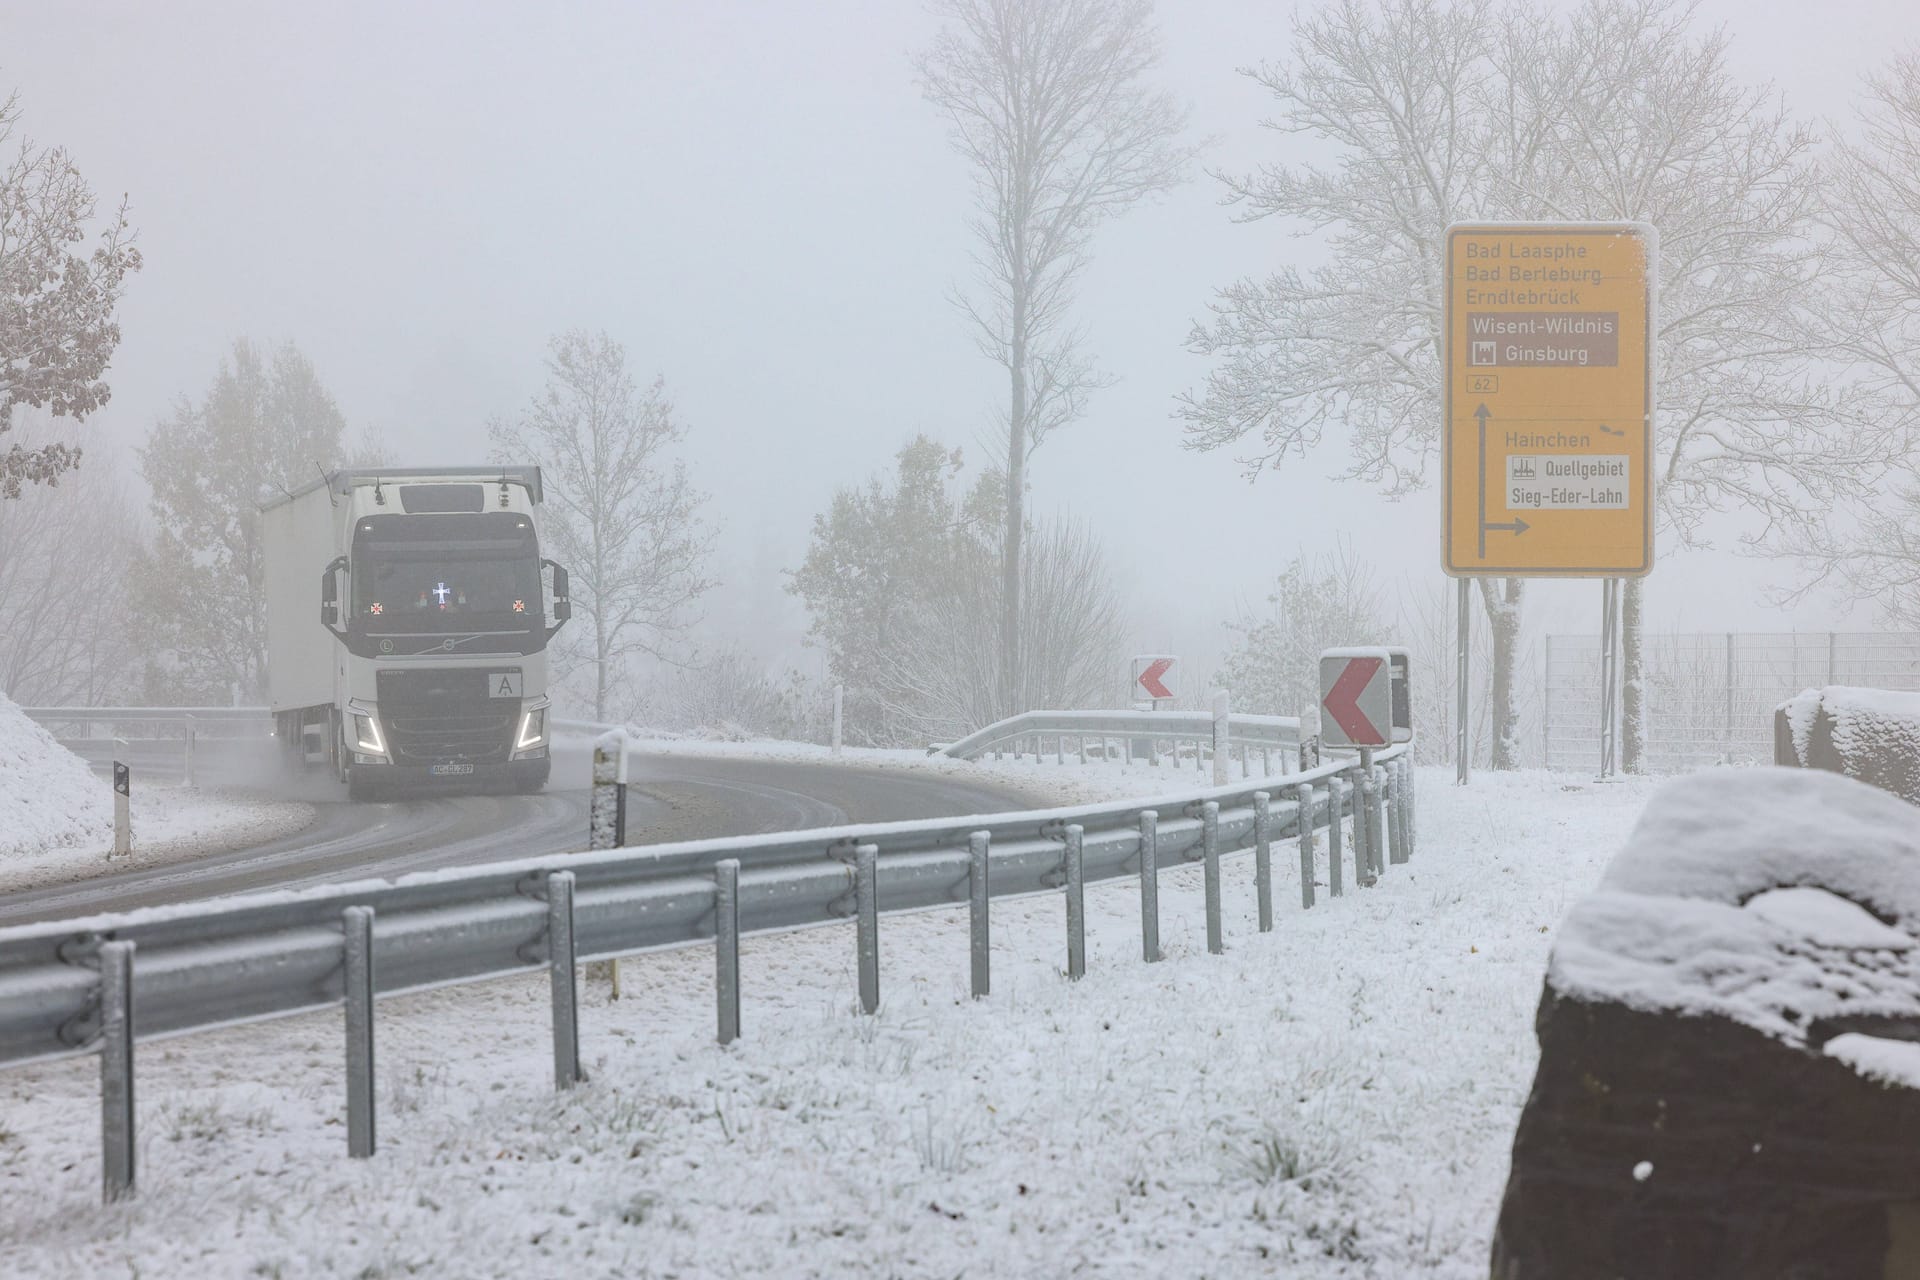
1336	1098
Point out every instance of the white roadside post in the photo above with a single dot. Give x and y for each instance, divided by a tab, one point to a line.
1222	733
607	809
839	705
122	817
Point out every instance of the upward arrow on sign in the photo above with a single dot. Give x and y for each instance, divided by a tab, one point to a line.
1150	678
1342	701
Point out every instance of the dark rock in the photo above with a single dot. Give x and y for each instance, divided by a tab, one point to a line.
1695	1114
1869	734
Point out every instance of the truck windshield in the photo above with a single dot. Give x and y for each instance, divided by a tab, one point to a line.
446	573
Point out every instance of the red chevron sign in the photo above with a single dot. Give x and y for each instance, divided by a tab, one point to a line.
1342	701
1149	678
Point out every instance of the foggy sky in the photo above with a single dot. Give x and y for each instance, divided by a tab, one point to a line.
755	200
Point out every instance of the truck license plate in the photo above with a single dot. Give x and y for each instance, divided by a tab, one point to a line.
452	769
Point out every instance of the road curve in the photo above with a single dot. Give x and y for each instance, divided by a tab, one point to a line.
671	798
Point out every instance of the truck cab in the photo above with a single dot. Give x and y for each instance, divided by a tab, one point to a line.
409	615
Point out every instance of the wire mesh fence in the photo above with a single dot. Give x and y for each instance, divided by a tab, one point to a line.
1710	698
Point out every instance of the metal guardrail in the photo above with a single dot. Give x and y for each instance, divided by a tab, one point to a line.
143	715
1140	735
91	985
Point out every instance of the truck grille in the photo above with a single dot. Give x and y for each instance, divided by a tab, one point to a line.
433	716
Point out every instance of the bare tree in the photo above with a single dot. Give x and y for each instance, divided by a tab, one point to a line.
57	330
622	513
1446	112
266	426
1873	210
67	636
1273	667
1048	103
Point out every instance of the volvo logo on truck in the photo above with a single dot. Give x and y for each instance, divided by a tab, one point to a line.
409	612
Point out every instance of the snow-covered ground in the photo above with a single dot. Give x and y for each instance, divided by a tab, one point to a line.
56	814
1336	1098
169	824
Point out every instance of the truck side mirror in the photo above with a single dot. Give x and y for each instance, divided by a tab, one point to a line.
562	599
330	595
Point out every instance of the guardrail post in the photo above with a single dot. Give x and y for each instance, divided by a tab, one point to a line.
1082	739
122	816
1222	739
1149	885
726	946
1336	811
866	897
1263	858
562	980
358	923
1153	751
1076	902
1377	820
979	893
1362	816
1413	803
116	1070
1266	762
188	740
1210	851
1303	798
1398	805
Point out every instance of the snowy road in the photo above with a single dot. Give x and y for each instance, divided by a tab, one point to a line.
672	798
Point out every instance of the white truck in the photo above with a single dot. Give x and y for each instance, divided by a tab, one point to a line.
408	617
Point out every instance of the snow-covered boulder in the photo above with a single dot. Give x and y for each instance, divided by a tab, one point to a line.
49	798
1869	734
1729	1078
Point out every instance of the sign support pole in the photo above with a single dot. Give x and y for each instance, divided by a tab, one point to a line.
1609	676
1463	737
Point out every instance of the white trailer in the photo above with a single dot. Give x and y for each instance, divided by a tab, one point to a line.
408	616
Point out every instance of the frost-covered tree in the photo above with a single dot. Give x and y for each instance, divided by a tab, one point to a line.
902	579
1048	102
1273	667
266	427
1451	110
622	513
1873	208
57	299
873	552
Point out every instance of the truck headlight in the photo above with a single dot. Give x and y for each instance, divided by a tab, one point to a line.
366	736
532	738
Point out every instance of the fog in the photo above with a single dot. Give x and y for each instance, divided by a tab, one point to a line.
757	202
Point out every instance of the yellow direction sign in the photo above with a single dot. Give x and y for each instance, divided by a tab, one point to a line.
1549	400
